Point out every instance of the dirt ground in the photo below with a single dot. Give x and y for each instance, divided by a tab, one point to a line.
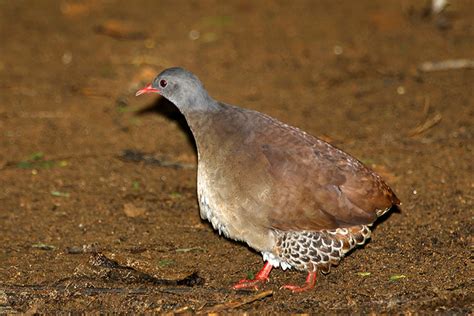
98	207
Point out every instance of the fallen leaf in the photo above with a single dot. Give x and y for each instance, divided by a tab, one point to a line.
175	195
131	210
397	277
120	30
59	194
165	262
190	249
43	246
136	185
386	21
71	9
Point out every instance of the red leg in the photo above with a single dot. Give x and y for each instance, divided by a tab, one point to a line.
260	278
309	284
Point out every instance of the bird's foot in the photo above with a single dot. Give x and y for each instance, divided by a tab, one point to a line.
249	284
254	283
308	285
297	288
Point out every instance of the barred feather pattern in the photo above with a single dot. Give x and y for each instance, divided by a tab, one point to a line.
318	250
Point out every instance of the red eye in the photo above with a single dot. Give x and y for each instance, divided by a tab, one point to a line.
163	83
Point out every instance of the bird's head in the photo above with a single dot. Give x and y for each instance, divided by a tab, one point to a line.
180	87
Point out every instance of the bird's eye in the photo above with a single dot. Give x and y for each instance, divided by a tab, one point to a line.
163	83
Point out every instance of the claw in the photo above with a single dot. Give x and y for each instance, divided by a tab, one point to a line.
309	284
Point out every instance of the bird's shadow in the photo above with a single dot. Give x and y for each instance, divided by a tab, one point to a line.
167	109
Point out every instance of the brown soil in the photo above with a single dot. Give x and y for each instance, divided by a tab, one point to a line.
89	224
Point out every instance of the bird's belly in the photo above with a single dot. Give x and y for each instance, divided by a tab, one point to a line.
230	215
209	209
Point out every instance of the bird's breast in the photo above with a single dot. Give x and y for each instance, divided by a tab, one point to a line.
208	202
229	212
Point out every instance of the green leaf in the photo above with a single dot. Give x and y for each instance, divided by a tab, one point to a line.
219	20
165	262
59	194
25	165
367	161
363	274
63	163
45	164
397	277
136	185
175	195
36	156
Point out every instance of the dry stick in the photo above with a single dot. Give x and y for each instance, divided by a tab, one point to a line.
236	303
179	311
449	64
426	125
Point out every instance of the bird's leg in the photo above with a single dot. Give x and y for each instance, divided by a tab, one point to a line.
260	278
309	284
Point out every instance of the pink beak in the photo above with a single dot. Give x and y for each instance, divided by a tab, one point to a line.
147	89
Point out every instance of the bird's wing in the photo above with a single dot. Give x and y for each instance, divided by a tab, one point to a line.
317	186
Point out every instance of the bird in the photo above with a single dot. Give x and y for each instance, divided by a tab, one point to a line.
298	200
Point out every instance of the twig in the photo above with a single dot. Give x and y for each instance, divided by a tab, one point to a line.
448	64
236	303
179	310
426	125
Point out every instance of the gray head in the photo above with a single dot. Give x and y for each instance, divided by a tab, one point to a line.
182	88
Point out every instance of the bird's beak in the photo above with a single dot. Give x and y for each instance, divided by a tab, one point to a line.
147	89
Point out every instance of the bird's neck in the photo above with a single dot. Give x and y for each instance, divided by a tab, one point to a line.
197	109
195	103
202	123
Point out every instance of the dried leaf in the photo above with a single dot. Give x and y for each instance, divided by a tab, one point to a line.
43	246
190	249
131	210
120	30
70	9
